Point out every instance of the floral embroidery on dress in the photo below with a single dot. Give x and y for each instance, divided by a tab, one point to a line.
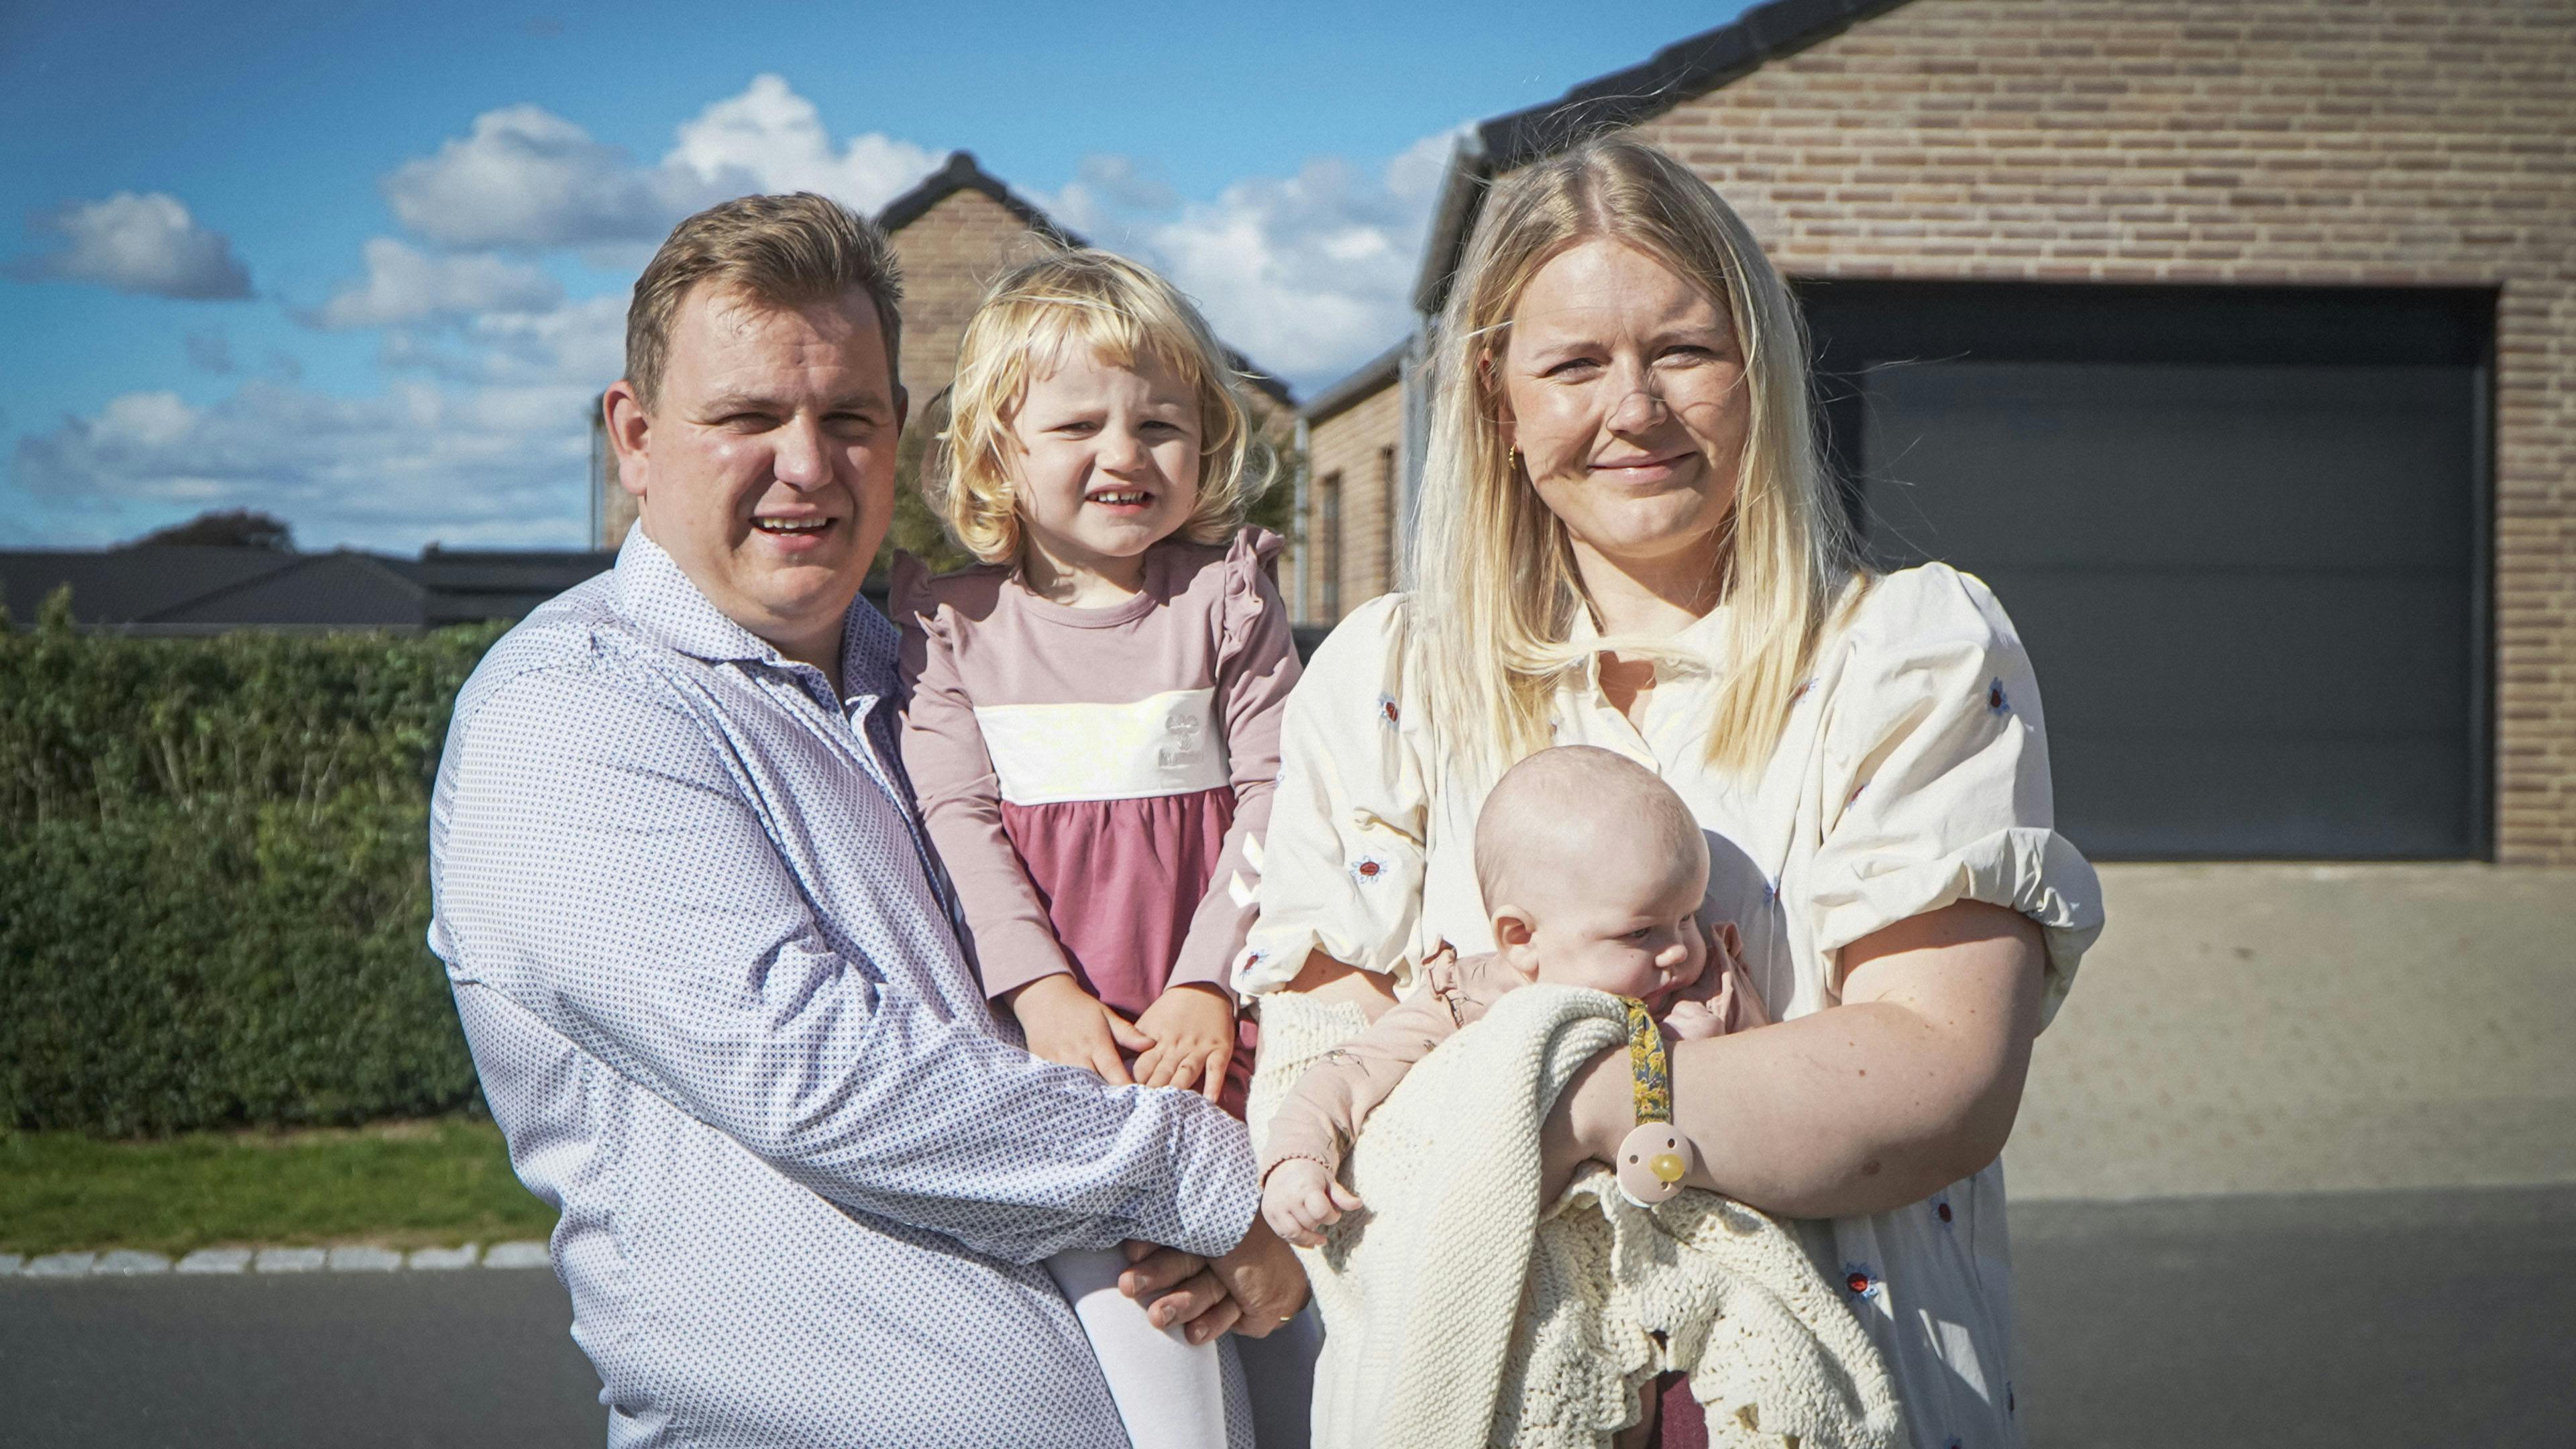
1941	1209
1387	713
1369	870
1996	700
1862	1282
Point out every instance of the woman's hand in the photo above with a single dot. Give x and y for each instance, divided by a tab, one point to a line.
1067	1024
1192	1026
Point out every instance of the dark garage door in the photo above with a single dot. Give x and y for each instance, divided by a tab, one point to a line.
2241	531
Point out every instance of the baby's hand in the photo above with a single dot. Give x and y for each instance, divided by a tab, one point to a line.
1691	1019
1067	1024
1300	1199
1722	1000
1193	1030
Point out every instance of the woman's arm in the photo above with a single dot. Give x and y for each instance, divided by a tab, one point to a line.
1329	981
1909	1085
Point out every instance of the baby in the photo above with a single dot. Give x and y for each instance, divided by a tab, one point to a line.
1594	872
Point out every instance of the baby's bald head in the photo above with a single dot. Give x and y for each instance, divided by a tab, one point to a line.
1565	816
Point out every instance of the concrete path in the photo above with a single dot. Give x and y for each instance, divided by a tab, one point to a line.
2293	1028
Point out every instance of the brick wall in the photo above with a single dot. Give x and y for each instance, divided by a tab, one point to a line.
949	254
1352	442
2363	142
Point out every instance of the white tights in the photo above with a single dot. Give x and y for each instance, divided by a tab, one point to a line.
1170	1392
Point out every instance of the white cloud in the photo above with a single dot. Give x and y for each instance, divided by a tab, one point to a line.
405	285
492	465
1310	275
775	138
527	177
145	243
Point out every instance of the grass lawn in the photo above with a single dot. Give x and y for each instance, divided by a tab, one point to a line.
400	1184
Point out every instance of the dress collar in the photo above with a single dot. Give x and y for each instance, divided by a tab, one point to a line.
1701	640
659	599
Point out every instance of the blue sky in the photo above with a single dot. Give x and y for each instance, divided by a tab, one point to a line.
363	265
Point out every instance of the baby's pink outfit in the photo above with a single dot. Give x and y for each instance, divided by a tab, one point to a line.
1332	1099
1096	779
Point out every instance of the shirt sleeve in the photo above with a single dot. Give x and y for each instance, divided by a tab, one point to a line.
604	869
1934	782
1013	941
1256	669
1343	861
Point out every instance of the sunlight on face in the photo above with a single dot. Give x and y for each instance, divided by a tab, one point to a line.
1623	388
1108	466
767	465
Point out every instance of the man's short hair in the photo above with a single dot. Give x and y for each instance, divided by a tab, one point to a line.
786	251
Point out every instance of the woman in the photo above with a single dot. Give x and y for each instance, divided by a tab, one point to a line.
1628	540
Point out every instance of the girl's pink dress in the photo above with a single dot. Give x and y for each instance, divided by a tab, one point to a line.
1097	780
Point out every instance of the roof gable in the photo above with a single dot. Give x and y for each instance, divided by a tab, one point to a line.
962	173
1679	72
1686	68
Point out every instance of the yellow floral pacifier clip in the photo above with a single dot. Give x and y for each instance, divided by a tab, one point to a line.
1655	1156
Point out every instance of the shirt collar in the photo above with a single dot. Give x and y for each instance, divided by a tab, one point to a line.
1700	642
659	599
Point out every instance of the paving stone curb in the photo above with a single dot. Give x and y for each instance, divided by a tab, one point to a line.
360	1259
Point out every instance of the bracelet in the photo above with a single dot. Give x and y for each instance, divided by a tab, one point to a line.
1655	1156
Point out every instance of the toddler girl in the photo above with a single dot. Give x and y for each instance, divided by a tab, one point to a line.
1093	727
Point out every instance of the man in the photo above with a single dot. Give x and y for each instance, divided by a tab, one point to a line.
708	970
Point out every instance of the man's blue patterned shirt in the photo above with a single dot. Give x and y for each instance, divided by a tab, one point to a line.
720	1010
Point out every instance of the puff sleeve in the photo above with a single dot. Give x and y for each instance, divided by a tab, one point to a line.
1256	669
1343	861
1933	784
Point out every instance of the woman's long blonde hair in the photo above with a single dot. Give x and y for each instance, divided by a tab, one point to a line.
1077	297
1495	586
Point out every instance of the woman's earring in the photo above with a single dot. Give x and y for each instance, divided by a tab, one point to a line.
1516	457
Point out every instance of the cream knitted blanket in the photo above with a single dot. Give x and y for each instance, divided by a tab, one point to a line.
1457	1314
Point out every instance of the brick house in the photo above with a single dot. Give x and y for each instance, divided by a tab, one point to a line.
953	233
2232	341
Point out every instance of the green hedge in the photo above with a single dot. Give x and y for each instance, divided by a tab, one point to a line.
214	879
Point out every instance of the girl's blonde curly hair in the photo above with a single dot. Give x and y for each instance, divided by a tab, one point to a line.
1027	319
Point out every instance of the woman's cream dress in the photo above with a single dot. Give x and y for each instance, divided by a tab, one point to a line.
1912	773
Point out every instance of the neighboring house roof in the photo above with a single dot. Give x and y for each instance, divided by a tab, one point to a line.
962	173
188	591
1372	375
1679	72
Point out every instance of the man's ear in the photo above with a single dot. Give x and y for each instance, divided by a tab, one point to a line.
629	429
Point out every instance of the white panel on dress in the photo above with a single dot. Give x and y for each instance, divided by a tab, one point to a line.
1164	744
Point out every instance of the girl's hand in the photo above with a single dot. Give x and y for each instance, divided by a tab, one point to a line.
1192	1027
1067	1024
1301	1199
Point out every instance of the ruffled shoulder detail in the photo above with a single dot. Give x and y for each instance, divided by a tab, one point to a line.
1249	589
909	599
934	604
